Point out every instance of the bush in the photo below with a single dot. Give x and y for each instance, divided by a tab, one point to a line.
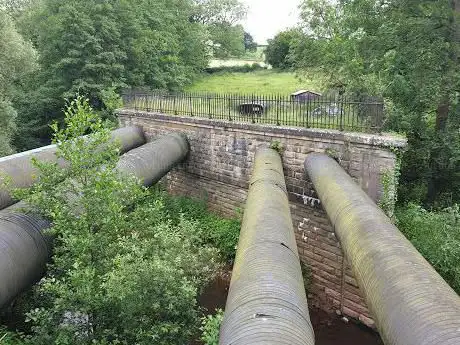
123	270
436	235
210	327
279	48
218	232
10	338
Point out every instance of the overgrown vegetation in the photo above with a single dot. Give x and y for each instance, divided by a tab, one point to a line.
210	327
406	53
436	234
128	262
54	49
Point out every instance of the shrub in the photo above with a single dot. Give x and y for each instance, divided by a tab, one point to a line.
218	232
123	272
210	327
436	235
10	338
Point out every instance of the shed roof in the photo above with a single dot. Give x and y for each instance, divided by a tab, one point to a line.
304	91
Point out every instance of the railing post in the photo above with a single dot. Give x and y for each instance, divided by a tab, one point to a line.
209	106
229	108
191	104
341	112
174	96
278	105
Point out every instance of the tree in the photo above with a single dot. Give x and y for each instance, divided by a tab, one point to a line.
278	50
407	53
90	46
228	40
219	11
15	7
249	44
122	273
17	58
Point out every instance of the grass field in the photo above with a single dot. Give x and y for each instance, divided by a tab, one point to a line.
258	82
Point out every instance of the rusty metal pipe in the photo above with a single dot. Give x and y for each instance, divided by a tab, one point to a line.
22	173
24	249
266	303
411	303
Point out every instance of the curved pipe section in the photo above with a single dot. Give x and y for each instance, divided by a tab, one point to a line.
22	173
266	303
24	249
151	162
411	303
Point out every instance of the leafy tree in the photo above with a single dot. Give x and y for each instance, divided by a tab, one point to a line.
17	58
408	53
89	46
249	44
220	18
228	40
122	273
278	50
219	11
15	7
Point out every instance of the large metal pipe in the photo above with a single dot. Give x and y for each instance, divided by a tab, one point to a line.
22	173
24	250
411	303
266	303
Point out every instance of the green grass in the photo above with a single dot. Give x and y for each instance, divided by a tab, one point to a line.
258	82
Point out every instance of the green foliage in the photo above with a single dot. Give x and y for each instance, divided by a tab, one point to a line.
390	182
210	327
17	58
124	271
408	55
436	235
249	43
277	146
219	11
10	338
91	46
219	232
279	48
111	101
228	40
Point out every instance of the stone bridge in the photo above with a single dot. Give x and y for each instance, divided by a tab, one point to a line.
219	170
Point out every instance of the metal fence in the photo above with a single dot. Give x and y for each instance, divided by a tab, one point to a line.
363	114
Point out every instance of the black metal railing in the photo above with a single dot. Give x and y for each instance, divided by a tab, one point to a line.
346	113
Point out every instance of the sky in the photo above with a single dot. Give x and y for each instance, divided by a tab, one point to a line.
268	17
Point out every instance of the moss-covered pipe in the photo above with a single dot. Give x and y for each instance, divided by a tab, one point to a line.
266	303
24	250
410	302
21	173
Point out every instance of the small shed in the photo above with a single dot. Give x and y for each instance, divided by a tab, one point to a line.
305	96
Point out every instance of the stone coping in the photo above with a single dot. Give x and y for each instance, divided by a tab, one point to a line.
379	140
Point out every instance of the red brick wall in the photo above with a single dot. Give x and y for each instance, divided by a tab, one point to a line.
219	168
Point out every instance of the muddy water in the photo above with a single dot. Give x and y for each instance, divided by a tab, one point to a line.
329	329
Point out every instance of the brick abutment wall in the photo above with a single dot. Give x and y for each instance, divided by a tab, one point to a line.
219	168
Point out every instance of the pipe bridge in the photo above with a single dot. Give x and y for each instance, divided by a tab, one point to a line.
267	304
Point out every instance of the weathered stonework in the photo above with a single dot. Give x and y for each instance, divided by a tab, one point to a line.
219	168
